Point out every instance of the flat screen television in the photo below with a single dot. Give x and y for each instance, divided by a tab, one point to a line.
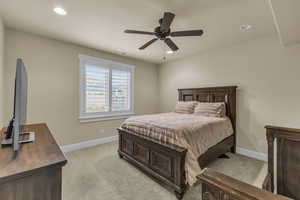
15	129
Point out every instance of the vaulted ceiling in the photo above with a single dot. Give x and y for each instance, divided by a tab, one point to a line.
100	24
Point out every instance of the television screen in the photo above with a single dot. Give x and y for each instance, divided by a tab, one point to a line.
20	102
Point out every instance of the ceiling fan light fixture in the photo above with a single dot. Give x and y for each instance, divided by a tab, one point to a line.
163	32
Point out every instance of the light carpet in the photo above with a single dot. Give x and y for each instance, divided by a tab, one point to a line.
98	173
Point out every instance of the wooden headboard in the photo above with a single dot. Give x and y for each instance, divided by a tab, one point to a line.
225	94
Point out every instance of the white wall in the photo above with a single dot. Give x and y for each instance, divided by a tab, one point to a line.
1	72
267	75
53	73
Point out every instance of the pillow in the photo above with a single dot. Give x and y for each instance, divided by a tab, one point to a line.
185	107
211	109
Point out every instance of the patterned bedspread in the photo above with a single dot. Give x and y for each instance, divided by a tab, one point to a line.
193	132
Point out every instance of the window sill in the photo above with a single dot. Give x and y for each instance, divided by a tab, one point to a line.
84	119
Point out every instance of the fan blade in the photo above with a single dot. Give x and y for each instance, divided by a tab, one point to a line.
139	32
171	44
148	43
186	33
166	21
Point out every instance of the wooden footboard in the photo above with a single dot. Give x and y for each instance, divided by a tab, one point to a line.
217	186
162	162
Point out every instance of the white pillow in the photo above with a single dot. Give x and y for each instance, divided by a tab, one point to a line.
211	109
185	107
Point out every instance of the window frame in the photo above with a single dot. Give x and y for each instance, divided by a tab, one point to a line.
109	64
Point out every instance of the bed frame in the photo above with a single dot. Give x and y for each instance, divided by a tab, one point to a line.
165	162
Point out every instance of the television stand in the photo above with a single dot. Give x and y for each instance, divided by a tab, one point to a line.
24	137
35	173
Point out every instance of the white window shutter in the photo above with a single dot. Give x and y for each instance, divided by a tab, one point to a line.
97	89
106	89
121	82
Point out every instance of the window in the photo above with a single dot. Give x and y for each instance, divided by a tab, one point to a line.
106	89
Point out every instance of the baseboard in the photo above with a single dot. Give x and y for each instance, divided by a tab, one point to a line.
87	144
252	154
91	143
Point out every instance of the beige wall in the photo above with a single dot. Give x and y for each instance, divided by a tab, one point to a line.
53	73
1	72
267	75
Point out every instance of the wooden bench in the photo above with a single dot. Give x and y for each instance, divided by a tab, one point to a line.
288	161
217	186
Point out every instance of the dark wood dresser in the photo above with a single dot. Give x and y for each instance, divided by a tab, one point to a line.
35	173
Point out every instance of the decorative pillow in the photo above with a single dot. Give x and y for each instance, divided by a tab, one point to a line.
185	107
211	109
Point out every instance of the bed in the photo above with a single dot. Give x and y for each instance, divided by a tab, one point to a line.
165	161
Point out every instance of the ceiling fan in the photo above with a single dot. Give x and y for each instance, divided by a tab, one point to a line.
163	32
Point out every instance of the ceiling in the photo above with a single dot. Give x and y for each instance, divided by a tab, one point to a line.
286	17
100	24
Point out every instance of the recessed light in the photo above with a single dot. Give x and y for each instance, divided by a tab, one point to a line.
60	11
245	27
169	52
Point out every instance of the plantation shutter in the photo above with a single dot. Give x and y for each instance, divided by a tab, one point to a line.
105	89
121	81
97	89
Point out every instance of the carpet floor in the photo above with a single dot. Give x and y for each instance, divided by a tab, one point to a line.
97	173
